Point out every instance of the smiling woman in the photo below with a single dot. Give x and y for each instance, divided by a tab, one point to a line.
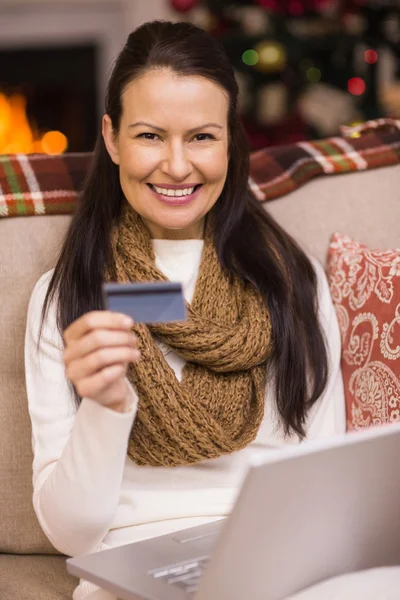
143	430
172	162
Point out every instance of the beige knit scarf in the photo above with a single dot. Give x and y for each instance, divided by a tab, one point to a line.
218	406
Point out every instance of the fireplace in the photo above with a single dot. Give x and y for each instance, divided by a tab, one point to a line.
48	89
55	59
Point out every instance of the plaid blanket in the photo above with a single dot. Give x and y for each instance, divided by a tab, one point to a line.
277	171
38	184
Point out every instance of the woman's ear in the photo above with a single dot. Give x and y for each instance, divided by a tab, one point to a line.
110	139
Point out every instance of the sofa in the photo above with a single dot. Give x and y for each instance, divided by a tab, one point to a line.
312	190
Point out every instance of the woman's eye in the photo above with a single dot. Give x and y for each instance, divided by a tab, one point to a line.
200	137
148	136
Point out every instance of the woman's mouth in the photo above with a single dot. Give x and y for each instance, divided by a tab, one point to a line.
176	196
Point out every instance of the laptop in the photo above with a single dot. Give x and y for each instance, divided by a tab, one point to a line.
304	514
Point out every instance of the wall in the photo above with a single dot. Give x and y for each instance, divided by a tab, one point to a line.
140	11
25	23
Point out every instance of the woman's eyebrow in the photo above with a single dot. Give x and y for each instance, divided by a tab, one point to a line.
161	130
204	126
143	123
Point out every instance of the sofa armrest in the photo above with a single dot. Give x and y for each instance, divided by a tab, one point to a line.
30	577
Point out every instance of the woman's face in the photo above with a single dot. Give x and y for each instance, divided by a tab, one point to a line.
172	150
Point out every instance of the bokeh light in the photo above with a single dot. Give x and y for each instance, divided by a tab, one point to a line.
313	75
356	86
371	56
54	142
272	56
250	57
296	8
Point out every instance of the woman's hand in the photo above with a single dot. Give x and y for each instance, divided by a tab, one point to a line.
98	348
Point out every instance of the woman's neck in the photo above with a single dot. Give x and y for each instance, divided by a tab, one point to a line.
194	232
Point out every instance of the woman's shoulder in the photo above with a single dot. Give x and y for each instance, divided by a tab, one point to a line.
36	303
326	308
40	289
322	281
318	268
43	282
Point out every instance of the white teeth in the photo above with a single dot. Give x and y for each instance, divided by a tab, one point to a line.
168	192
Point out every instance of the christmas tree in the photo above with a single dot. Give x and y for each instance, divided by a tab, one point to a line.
306	67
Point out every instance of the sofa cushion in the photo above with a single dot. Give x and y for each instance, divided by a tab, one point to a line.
365	288
27	248
364	205
35	578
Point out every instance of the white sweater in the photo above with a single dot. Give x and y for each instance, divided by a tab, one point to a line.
88	495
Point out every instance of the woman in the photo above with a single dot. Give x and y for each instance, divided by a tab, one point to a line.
139	431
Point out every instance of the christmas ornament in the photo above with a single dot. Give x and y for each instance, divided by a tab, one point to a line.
183	5
272	56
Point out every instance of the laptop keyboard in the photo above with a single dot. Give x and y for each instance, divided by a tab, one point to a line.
186	574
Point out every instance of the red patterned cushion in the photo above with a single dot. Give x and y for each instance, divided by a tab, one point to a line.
365	287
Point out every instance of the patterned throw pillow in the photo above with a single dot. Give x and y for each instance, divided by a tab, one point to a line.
365	287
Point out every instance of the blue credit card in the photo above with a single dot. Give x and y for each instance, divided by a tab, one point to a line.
158	302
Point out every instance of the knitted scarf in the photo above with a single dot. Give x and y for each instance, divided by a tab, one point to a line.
218	406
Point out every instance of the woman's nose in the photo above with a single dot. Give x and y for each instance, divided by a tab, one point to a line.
176	163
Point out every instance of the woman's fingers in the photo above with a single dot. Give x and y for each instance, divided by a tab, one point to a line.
95	385
96	361
94	340
101	319
98	349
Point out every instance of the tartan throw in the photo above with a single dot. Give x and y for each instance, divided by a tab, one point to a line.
38	184
277	171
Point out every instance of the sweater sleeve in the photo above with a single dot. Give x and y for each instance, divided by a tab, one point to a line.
79	454
327	417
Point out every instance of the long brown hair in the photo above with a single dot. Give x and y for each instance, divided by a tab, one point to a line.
249	242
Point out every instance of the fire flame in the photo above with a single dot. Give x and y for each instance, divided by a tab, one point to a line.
17	135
